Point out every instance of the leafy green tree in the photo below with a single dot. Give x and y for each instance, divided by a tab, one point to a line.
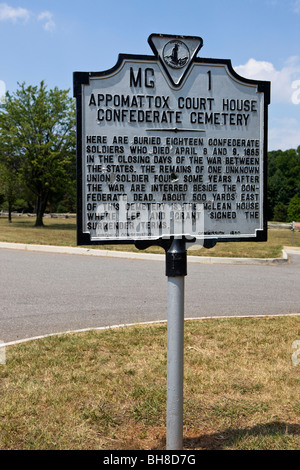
283	180
10	187
9	175
280	212
39	125
294	209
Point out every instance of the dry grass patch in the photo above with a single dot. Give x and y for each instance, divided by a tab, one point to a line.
107	389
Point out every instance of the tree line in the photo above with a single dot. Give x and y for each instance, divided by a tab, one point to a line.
283	186
37	150
38	158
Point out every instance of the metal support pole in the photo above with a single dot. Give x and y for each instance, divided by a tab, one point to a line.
176	266
175	363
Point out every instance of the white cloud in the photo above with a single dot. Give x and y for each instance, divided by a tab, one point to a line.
8	13
282	88
47	16
284	132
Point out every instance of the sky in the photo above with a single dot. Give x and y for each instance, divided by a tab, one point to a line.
50	39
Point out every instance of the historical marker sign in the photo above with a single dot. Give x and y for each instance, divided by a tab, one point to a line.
171	145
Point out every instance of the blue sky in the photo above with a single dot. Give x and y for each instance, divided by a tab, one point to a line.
50	39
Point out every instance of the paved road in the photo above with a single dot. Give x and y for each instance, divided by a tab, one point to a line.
45	293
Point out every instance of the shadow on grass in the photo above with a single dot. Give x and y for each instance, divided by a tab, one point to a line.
231	437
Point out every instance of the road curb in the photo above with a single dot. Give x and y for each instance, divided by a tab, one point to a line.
143	256
146	323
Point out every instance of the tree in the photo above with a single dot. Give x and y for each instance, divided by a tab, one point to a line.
280	212
283	180
9	175
294	209
10	186
39	126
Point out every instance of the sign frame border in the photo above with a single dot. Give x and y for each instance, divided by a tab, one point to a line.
83	78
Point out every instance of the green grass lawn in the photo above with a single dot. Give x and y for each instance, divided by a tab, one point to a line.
62	232
106	389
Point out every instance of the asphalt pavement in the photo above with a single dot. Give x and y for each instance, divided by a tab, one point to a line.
49	292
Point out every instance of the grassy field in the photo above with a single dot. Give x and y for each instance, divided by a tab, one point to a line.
62	232
106	389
